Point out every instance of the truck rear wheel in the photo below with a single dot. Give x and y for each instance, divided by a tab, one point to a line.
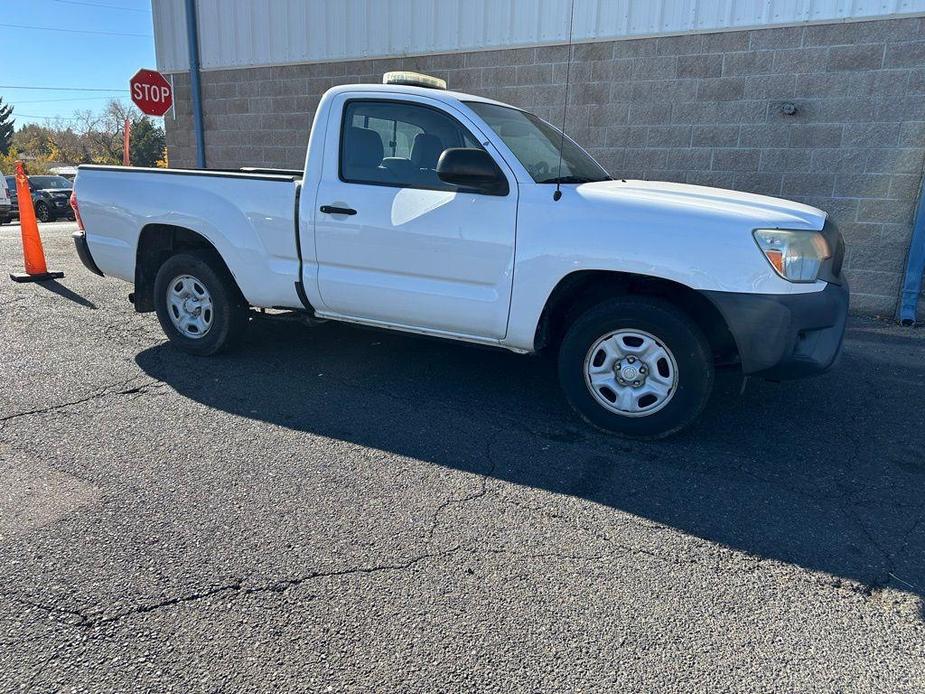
636	366
198	303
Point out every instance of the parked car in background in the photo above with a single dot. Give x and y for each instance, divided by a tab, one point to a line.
51	196
14	199
6	205
68	172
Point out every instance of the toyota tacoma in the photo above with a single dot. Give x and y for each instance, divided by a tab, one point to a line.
452	215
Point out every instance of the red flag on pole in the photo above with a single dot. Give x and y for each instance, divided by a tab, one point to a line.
126	142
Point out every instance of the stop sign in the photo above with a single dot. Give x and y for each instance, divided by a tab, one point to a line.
151	92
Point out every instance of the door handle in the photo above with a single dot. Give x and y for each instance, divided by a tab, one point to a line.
329	209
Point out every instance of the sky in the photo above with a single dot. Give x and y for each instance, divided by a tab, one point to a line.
70	43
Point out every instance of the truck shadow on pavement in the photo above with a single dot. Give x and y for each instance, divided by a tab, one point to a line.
826	474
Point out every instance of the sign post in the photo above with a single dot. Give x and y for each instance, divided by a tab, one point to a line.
127	143
151	92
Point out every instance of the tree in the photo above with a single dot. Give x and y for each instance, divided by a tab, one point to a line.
103	132
6	128
147	142
91	138
34	141
8	162
68	146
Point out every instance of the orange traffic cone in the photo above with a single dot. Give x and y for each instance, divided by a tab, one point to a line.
33	253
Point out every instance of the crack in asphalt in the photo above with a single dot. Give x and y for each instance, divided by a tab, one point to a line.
83	620
864	589
849	504
101	392
867	589
455	501
14	300
606	448
795	572
90	621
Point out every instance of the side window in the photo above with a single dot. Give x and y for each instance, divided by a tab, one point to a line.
397	143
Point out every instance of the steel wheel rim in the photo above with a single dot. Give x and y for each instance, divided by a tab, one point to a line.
189	306
631	373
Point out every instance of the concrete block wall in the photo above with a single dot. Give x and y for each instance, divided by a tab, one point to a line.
704	108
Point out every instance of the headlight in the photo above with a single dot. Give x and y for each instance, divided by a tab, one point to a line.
795	255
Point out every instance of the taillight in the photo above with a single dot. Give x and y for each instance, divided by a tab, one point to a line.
74	206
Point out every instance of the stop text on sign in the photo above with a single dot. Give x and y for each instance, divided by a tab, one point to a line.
151	93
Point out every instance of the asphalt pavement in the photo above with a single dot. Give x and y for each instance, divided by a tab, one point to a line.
341	509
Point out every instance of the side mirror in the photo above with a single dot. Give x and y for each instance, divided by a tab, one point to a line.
472	168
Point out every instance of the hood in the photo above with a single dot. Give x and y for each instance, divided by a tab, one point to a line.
702	201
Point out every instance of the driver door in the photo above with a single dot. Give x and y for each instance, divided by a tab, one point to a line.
397	246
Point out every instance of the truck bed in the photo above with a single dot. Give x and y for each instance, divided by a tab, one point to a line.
248	215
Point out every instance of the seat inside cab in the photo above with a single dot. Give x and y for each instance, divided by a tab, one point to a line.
396	143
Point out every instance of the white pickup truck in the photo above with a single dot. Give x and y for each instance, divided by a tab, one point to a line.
447	214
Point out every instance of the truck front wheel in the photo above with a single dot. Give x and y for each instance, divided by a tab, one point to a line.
636	366
198	303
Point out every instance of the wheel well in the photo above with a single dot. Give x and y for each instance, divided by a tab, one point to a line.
580	290
156	243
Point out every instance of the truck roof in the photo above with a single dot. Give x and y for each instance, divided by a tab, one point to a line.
438	94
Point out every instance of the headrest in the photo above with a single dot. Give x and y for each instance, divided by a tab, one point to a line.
362	147
425	150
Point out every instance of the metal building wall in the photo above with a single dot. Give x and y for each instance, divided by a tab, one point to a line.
246	33
170	45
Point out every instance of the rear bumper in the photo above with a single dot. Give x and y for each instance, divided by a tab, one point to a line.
83	252
789	335
64	210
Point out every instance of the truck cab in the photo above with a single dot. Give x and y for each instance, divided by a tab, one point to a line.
441	213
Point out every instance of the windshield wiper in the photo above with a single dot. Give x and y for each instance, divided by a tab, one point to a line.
572	179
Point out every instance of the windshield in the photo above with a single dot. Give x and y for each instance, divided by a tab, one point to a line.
46	182
535	143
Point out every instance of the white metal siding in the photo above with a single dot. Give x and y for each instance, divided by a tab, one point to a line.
244	33
170	45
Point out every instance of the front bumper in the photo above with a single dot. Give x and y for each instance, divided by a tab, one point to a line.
83	252
784	336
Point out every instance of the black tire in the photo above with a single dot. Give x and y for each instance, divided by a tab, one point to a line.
229	309
668	325
43	212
